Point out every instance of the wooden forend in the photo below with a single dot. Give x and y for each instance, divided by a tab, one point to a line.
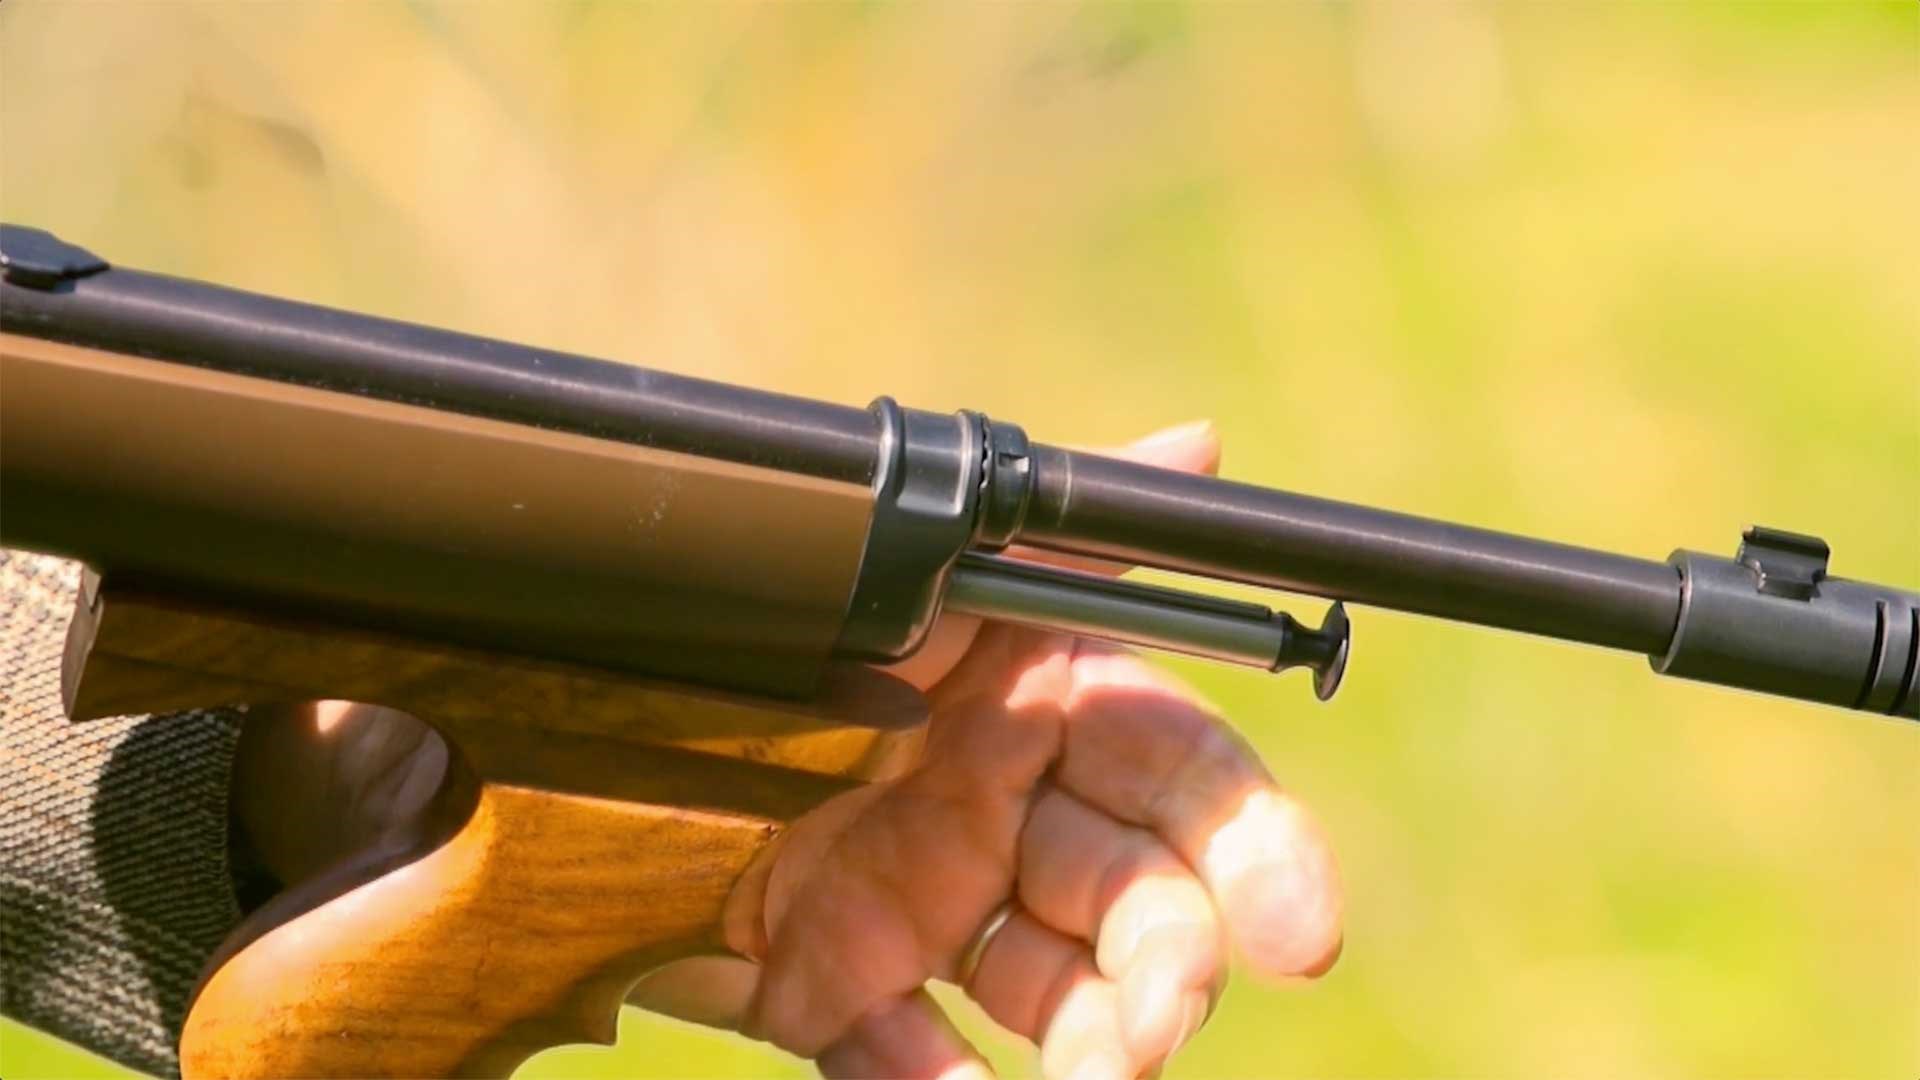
594	833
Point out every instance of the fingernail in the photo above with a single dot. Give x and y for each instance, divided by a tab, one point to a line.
1193	1013
1118	945
1101	1066
1151	1009
1179	433
1144	939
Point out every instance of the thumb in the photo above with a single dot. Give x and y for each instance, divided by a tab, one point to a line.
1192	447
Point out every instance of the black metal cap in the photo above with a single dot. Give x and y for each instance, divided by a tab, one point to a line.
1327	675
1324	651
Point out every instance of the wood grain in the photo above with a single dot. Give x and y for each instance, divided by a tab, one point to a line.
591	831
524	931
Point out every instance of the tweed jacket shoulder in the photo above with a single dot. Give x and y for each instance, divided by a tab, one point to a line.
114	878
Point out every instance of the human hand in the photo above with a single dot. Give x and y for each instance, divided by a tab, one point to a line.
1126	825
1131	829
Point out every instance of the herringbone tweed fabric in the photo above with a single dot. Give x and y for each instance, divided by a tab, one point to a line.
114	884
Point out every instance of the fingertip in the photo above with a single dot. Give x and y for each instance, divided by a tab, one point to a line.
907	1038
1103	1065
1290	931
1190	447
716	991
1282	896
1305	963
1149	1013
1083	1040
1159	1014
1325	964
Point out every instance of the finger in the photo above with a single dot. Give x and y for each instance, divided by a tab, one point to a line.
710	990
952	635
1037	982
1160	1012
1153	926
903	1040
1190	447
891	900
316	782
387	765
1141	747
760	899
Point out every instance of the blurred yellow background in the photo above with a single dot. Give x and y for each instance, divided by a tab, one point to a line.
1632	276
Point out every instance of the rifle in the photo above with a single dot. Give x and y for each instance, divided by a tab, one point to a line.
641	608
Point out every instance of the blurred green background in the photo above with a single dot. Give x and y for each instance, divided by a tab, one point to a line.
1627	275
